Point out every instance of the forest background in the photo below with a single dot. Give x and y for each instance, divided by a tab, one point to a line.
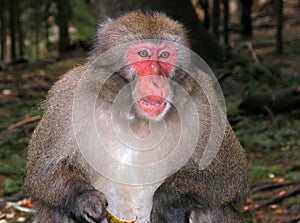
253	47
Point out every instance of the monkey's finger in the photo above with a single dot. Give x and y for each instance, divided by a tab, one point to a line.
113	219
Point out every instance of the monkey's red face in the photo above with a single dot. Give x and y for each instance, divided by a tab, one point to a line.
153	66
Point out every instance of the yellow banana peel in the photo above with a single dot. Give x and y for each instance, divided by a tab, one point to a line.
111	218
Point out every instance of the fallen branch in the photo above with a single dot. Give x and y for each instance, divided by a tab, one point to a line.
281	101
24	122
290	220
253	53
222	74
15	197
269	186
275	200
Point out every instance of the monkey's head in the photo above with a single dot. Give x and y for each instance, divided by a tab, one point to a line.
150	57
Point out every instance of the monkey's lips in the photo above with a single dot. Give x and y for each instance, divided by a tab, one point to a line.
152	105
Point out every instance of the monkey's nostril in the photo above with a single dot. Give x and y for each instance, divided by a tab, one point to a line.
155	84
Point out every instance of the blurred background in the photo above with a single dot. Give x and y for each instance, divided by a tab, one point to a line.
253	47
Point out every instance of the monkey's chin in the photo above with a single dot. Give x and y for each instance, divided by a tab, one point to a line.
153	110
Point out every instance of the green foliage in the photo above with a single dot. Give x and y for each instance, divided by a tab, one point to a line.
264	132
260	172
14	142
292	201
271	138
39	16
83	20
257	76
232	103
16	112
274	139
260	77
11	186
249	218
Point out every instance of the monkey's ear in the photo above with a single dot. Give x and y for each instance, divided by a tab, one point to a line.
102	27
101	37
106	23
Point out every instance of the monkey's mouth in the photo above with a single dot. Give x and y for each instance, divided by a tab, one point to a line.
152	105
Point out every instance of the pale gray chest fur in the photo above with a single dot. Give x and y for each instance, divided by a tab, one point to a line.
129	200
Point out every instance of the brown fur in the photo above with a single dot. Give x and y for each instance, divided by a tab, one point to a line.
63	185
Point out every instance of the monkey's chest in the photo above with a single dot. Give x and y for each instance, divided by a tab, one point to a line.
128	201
133	154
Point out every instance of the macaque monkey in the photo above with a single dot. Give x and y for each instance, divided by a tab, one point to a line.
66	187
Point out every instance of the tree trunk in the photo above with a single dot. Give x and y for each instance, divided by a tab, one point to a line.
279	25
246	22
36	42
3	29
12	27
37	22
280	101
216	18
46	22
225	22
19	29
63	16
205	6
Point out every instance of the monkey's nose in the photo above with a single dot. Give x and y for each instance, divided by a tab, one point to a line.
154	68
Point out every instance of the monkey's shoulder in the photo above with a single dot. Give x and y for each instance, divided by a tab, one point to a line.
63	90
68	80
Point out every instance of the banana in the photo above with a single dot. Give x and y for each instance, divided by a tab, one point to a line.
111	218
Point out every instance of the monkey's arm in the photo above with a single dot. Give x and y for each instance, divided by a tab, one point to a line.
63	186
217	190
56	177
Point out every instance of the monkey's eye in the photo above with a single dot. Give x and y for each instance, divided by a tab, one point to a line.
164	54
143	53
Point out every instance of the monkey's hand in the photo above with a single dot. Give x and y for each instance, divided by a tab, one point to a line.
169	207
89	207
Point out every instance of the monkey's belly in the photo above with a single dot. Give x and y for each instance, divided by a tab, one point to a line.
127	201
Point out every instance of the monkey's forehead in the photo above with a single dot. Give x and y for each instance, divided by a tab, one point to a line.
139	26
